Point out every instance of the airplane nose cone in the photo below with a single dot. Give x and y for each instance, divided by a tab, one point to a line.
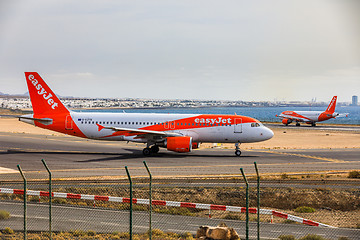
267	133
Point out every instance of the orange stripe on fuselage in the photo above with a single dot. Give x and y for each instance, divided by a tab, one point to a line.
196	122
294	114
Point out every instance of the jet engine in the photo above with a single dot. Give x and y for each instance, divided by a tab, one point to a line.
195	145
286	121
179	144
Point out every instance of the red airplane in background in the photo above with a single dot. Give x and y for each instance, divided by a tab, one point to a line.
311	117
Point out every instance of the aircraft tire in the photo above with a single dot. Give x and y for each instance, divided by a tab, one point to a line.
238	153
298	124
155	149
146	152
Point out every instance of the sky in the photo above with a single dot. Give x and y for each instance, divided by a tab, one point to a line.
259	50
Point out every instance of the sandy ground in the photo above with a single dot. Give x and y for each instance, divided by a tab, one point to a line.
283	138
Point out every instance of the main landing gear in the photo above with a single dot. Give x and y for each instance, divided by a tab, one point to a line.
149	150
237	150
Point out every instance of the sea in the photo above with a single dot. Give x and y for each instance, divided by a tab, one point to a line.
263	114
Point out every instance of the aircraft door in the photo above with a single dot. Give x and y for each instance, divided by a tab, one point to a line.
238	125
169	125
68	123
172	124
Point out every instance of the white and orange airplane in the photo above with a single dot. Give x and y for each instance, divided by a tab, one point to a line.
176	132
310	117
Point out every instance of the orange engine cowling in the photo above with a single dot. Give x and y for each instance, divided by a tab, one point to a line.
195	145
286	121
179	144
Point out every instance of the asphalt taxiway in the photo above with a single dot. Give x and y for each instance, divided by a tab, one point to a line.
110	220
71	157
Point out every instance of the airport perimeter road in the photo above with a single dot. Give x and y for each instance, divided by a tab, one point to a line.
70	157
66	218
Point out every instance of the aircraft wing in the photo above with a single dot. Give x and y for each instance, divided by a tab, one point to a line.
139	133
294	117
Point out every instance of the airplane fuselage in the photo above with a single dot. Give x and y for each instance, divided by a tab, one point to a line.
202	128
307	116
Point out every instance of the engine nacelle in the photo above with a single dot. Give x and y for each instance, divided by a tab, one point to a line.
286	121
179	144
195	145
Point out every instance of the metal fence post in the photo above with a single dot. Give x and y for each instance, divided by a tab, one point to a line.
131	202
258	201
50	198
150	199
247	204
25	208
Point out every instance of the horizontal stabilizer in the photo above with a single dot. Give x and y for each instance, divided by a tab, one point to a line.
343	115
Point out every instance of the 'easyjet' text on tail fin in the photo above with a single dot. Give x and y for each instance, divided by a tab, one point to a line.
43	99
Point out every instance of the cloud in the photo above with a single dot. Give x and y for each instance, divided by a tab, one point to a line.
256	50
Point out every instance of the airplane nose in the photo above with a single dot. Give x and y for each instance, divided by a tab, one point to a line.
267	133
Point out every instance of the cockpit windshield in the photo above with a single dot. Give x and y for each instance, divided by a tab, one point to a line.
255	125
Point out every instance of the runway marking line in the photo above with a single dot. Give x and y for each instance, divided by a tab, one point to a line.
303	155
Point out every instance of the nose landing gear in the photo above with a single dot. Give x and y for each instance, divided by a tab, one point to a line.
237	150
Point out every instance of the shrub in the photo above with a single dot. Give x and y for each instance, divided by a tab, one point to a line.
233	216
157	232
4	214
187	235
343	238
287	237
284	176
8	230
77	233
59	201
312	237
91	233
304	209
354	174
288	221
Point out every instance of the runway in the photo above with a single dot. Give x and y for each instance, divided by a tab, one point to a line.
70	157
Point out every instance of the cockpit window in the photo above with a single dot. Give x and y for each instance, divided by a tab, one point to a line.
255	125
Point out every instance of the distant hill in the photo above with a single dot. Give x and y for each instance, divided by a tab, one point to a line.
14	95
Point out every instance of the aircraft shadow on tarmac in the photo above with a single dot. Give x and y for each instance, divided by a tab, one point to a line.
130	154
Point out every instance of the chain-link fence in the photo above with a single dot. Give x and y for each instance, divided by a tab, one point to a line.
290	208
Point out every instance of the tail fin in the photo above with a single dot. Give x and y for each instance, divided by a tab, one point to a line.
43	99
332	105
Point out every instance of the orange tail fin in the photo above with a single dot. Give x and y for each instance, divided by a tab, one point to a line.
332	105
43	99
